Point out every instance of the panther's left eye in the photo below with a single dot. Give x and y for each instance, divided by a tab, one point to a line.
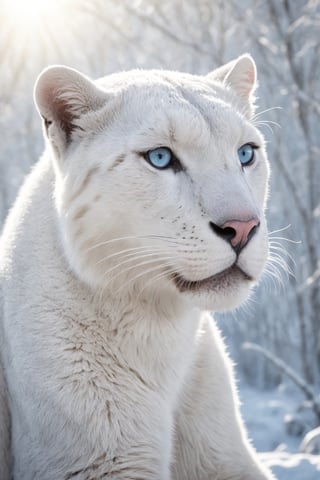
246	154
160	157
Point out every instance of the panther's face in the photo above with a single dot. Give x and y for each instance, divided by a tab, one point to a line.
161	181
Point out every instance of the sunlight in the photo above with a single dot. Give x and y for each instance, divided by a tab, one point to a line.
27	15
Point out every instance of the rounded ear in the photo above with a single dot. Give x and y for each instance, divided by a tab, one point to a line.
62	95
243	76
240	75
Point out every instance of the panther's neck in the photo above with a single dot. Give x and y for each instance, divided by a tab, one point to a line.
164	307
155	338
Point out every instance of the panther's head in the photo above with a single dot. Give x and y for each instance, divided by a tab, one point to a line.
161	180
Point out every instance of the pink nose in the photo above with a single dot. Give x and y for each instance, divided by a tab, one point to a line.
236	232
240	231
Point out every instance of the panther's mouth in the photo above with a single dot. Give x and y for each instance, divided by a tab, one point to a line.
224	279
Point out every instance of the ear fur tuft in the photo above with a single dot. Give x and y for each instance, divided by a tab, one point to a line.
62	95
243	76
240	76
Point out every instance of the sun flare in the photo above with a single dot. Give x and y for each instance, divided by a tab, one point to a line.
26	16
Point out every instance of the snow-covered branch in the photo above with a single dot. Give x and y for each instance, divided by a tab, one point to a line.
289	372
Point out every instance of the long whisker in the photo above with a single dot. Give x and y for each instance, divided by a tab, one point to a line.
258	122
135	237
277	247
138	253
274	275
113	240
165	263
295	242
135	265
278	260
146	272
133	258
280	229
267	123
277	264
262	124
258	114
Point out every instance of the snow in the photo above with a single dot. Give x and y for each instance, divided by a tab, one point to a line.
290	466
264	413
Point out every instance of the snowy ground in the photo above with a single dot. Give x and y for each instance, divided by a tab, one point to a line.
264	413
293	466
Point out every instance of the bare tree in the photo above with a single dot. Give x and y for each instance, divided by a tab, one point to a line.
288	45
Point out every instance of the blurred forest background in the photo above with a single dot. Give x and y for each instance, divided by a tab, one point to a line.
102	36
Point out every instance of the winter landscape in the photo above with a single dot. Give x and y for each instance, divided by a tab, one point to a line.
274	339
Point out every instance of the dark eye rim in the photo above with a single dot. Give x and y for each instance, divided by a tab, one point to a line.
254	147
174	163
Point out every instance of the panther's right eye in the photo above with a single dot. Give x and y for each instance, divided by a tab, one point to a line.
160	157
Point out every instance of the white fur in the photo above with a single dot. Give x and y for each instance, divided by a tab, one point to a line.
112	370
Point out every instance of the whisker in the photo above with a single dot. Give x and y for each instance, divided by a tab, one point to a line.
280	229
151	270
277	247
112	240
284	264
134	237
259	124
135	265
278	260
258	114
279	255
137	257
136	254
131	267
295	242
272	273
268	122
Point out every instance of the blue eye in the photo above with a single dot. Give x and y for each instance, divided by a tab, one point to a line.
160	157
246	154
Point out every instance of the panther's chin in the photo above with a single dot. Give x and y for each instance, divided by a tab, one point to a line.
223	280
223	291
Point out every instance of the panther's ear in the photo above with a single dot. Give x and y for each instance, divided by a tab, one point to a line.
239	75
62	95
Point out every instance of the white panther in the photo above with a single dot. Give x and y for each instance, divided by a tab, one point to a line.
146	210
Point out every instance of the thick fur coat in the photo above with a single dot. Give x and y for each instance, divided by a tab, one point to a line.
110	365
